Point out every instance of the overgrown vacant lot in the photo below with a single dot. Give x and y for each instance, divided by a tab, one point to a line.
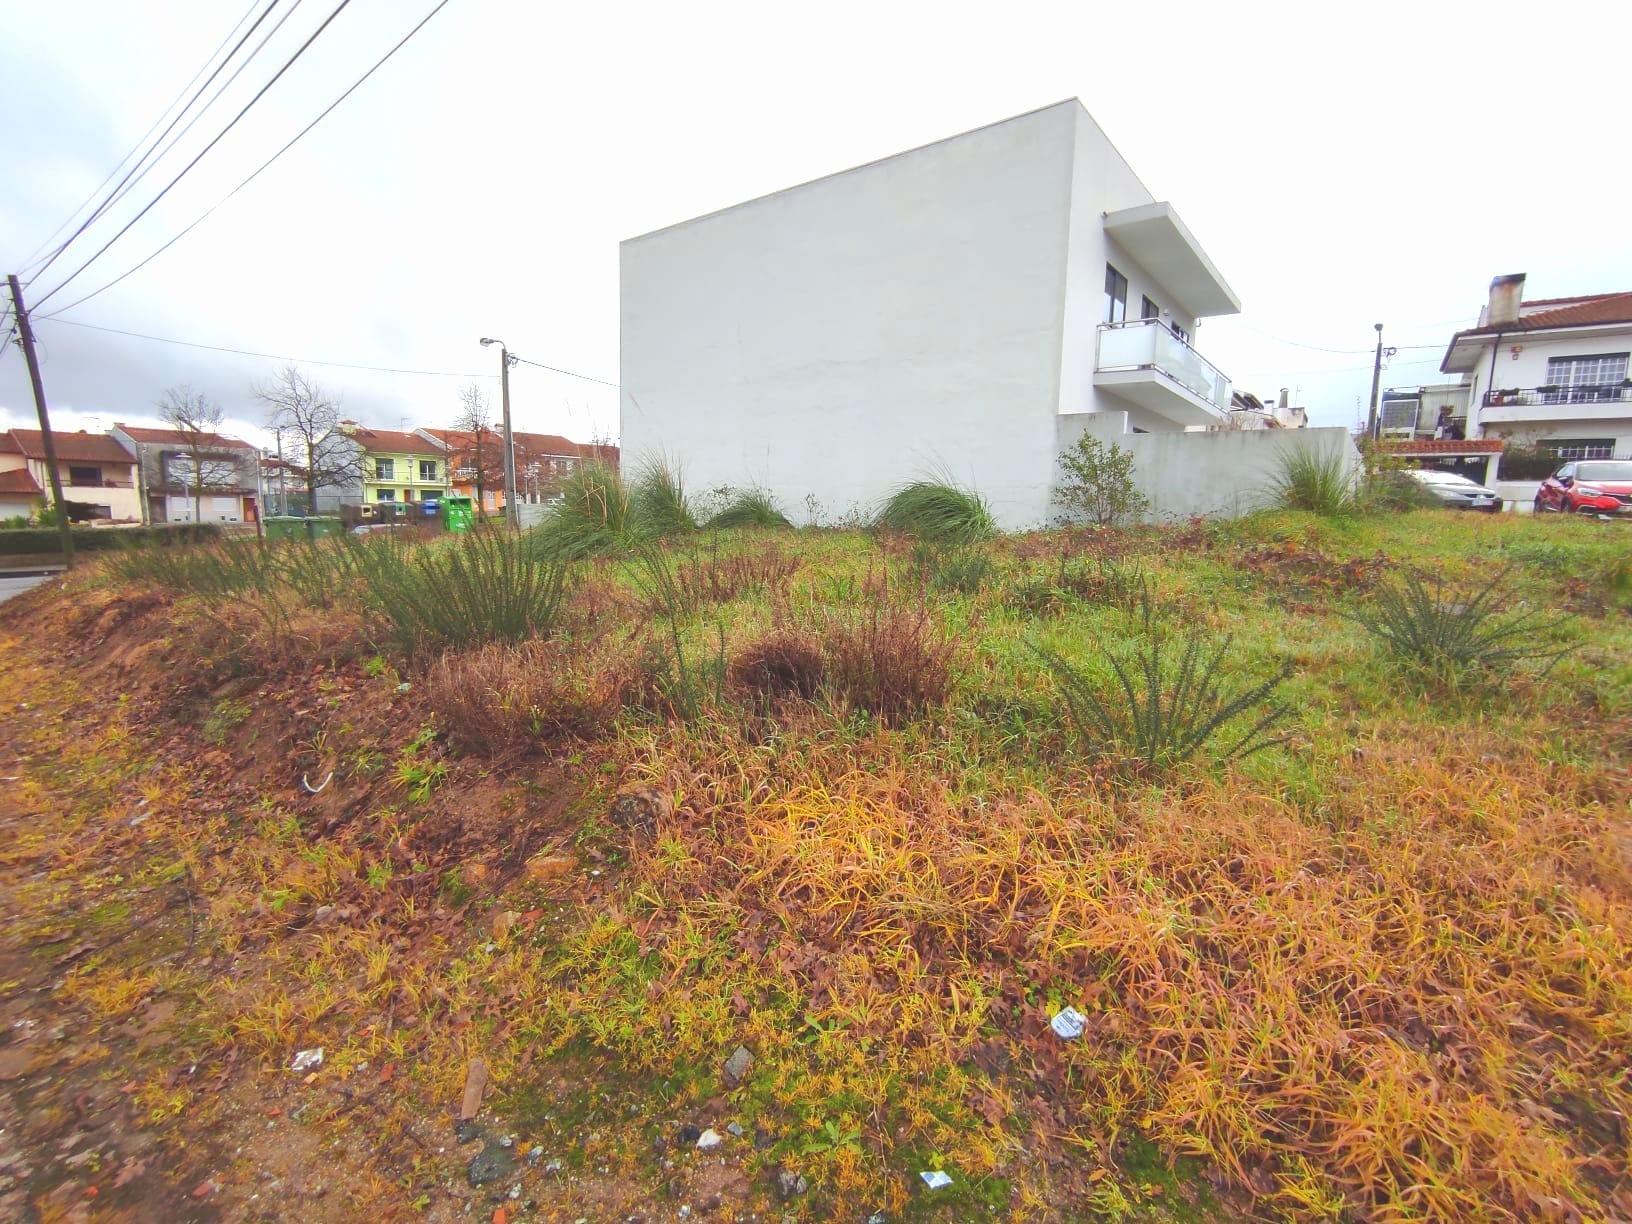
874	811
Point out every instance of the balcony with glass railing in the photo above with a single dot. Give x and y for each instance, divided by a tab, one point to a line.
1145	362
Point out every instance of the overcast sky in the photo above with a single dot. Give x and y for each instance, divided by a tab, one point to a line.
1341	164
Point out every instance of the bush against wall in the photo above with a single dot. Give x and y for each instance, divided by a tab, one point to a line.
1527	463
1096	484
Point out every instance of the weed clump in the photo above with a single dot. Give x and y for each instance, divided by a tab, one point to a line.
500	696
484	586
888	657
1319	481
750	508
715	578
1448	629
1099	580
593	515
782	664
936	511
1160	705
658	505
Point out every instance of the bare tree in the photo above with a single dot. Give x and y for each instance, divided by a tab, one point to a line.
320	452
475	419
201	464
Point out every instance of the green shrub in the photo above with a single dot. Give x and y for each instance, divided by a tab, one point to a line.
962	570
1102	580
1445	628
686	685
750	508
1519	462
1161	707
1319	481
215	571
936	511
592	516
36	541
477	587
658	506
1096	484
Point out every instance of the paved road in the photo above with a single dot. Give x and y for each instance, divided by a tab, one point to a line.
14	584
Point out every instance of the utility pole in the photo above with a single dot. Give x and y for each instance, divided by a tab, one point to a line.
1373	423
512	512
25	331
1376	379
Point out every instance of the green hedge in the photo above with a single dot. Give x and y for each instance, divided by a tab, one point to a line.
40	541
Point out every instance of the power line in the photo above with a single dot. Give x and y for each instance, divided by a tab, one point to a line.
568	373
217	348
344	365
39	251
215	97
259	94
246	182
137	170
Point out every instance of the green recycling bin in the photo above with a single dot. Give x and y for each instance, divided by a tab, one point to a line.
320	526
458	513
283	527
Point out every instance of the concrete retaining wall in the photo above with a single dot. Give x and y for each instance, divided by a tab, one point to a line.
1519	495
1220	474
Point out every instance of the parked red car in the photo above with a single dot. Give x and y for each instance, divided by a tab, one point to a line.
1588	486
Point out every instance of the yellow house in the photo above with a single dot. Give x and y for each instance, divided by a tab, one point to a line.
398	467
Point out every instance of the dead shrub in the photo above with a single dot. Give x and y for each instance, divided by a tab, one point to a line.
500	696
702	578
784	663
889	657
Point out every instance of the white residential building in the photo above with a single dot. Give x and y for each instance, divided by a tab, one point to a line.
968	308
1550	373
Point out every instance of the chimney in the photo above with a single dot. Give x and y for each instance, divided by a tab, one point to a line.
1505	293
1284	400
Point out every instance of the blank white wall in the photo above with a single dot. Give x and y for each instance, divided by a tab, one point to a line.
1223	473
837	339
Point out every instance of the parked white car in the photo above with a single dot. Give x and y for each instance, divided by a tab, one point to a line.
1457	492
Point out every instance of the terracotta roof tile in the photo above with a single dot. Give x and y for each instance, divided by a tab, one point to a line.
394	442
1562	312
18	481
71	447
1441	446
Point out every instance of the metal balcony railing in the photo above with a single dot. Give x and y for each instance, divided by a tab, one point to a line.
1149	344
1581	393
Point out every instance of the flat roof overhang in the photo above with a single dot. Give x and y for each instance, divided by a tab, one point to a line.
1164	247
1161	394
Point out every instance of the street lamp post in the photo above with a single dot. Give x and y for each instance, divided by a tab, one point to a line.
512	512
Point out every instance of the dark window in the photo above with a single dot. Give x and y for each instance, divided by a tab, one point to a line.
385	469
1148	309
91	476
1116	295
1180	332
427	469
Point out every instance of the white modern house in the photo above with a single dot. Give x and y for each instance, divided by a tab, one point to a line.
1550	373
968	308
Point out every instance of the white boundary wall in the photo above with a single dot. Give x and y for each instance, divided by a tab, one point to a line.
1225	473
